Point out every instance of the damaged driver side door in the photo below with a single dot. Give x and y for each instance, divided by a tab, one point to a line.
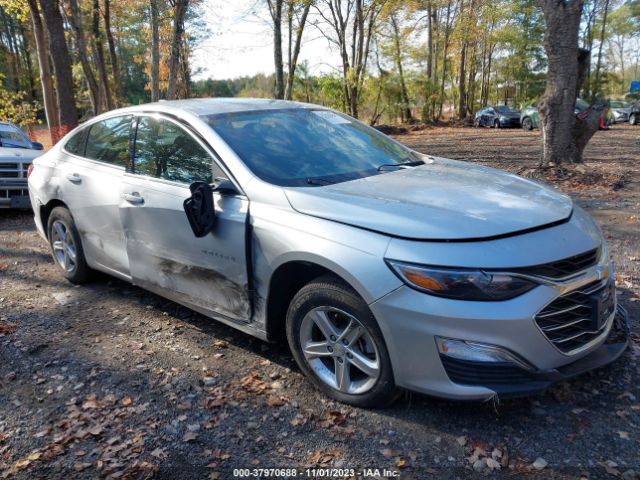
207	273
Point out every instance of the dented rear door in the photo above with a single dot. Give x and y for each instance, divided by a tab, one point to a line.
164	255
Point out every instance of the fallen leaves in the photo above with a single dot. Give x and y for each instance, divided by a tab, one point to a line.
7	328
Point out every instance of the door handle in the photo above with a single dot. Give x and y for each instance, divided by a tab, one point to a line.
134	198
74	178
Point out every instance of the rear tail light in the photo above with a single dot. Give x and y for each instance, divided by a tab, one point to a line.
30	169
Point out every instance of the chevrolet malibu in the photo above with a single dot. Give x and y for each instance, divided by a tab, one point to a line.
384	268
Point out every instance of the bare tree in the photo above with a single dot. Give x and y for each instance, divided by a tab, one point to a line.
352	23
179	12
75	19
115	67
68	115
294	46
46	81
275	10
98	48
155	52
564	136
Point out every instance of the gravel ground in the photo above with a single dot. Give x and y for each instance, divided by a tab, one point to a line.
107	380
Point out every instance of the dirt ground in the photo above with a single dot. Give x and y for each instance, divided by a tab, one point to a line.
107	380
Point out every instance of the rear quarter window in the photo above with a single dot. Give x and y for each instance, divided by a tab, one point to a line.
108	141
77	143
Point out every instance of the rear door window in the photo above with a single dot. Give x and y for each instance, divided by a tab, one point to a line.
165	150
108	141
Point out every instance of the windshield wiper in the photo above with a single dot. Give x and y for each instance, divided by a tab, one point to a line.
415	163
318	181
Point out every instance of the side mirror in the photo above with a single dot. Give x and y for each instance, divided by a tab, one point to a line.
200	209
224	186
37	146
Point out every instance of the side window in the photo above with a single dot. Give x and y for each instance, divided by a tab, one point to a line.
76	143
108	141
164	150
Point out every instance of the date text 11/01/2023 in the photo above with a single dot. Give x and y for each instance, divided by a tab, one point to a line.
282	473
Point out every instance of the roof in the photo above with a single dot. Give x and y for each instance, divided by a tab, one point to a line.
212	106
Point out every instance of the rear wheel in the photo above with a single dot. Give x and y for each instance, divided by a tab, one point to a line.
527	124
633	119
337	343
66	246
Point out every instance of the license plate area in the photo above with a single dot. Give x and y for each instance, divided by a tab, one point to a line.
602	306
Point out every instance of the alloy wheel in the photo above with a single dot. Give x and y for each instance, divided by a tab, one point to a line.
64	248
340	350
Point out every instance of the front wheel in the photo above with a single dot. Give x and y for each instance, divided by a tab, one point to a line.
527	124
633	119
496	123
338	345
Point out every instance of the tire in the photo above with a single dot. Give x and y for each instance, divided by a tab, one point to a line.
329	303
496	123
527	124
476	123
65	243
633	119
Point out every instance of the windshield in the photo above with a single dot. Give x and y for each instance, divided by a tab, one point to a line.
505	109
11	136
300	147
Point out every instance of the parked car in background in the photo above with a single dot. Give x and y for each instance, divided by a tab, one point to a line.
530	119
620	110
384	268
500	116
16	153
634	114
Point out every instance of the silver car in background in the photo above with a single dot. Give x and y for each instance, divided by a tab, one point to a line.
16	154
384	268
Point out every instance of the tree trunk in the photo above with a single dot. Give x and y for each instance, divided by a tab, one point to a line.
68	115
99	49
155	52
405	110
445	48
13	51
76	24
179	11
597	88
275	8
26	53
293	58
48	95
562	136
115	68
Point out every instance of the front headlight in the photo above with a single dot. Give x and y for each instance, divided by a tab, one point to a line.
461	284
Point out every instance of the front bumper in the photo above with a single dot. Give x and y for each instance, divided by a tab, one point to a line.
510	380
14	194
510	122
418	365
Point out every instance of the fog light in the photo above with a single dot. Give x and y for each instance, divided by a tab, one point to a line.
478	352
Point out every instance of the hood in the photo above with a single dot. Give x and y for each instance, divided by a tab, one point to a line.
441	200
8	154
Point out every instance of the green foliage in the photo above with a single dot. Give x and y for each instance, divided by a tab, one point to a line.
14	107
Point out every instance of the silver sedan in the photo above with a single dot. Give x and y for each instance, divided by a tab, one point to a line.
384	268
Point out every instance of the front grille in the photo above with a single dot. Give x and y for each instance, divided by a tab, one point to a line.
10	170
466	372
19	192
578	317
563	268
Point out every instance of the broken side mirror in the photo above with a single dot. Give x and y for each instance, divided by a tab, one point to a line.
224	186
200	209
